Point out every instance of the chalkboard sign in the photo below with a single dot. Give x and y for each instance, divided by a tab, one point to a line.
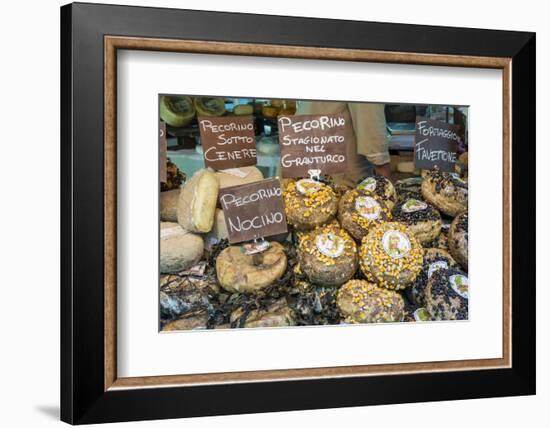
313	142
435	144
228	142
162	151
253	210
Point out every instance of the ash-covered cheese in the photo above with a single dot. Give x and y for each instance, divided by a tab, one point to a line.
179	249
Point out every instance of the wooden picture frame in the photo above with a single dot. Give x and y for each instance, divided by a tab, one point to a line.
91	390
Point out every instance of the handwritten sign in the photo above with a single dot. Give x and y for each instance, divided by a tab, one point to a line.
162	151
435	144
253	210
313	142
228	142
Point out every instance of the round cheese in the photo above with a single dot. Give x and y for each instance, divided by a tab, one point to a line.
197	202
179	249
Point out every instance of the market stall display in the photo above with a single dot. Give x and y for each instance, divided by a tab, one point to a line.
243	246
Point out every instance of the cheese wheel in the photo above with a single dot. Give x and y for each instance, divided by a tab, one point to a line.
359	211
190	321
219	230
238	176
391	256
270	112
209	106
446	191
238	272
197	202
243	110
446	295
177	111
458	239
328	256
309	203
169	205
179	249
287	112
363	302
278	103
276	314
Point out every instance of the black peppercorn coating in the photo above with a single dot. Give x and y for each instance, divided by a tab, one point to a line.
442	301
431	255
384	189
446	191
425	223
458	239
409	187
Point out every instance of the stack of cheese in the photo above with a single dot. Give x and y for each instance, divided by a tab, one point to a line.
189	214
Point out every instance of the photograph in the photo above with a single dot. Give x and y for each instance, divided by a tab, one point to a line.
295	213
267	213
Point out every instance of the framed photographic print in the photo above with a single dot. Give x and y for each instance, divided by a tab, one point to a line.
265	213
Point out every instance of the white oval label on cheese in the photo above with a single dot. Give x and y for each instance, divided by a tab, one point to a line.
421	314
459	283
330	245
368	183
396	244
307	186
440	264
367	207
457	177
413	205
